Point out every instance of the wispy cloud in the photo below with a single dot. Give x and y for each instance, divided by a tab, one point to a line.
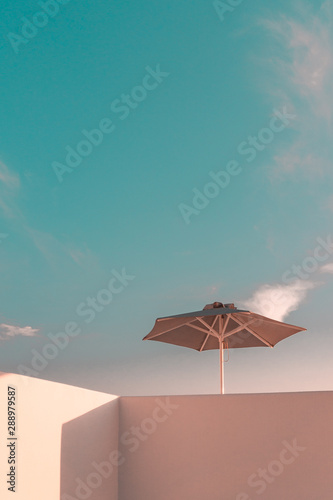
327	268
82	256
328	204
9	331
301	61
9	187
8	178
296	160
47	244
279	300
304	58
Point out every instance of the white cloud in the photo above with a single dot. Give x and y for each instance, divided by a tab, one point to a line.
278	301
328	268
301	61
7	331
297	160
327	203
48	245
305	57
9	186
7	177
54	250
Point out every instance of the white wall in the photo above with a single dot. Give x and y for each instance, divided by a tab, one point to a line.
89	461
49	450
232	447
216	447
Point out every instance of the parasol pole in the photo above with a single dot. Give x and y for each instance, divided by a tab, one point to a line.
221	367
221	356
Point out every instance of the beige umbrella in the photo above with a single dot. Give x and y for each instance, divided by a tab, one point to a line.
221	327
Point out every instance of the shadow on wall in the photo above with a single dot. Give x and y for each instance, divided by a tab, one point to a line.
89	455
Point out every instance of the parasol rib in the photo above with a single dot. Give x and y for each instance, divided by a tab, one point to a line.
239	328
212	331
253	333
204	342
222	330
207	336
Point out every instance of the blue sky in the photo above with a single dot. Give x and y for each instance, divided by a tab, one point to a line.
197	84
